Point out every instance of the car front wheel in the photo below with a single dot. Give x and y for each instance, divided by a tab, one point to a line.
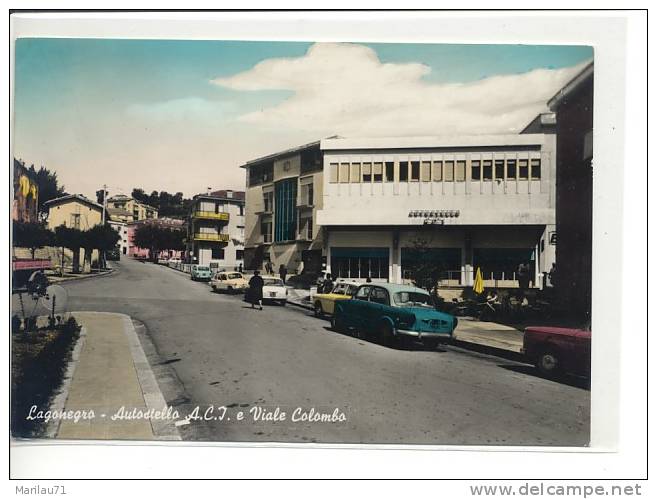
319	311
548	363
337	324
387	334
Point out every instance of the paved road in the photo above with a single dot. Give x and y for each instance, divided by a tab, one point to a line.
225	354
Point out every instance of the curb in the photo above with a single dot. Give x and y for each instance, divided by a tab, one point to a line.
86	276
301	305
59	401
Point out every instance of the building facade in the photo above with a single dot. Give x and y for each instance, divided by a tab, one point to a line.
122	230
484	202
573	105
215	229
26	195
124	208
283	195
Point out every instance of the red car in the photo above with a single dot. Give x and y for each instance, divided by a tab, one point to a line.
557	350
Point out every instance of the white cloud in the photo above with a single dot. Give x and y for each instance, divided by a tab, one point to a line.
345	89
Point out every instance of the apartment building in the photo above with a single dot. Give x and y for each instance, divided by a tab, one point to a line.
215	229
126	209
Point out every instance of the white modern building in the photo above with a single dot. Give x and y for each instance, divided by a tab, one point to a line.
215	229
463	202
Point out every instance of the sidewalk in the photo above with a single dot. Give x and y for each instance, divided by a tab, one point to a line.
112	373
468	331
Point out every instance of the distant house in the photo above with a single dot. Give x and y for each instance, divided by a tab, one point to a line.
124	208
26	195
75	211
138	252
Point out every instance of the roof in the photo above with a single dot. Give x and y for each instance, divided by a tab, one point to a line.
120	198
238	196
74	197
447	141
540	123
582	77
286	152
119	211
395	288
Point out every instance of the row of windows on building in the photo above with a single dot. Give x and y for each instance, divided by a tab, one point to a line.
305	231
436	171
307	198
219	254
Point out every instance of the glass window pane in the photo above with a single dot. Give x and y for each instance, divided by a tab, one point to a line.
355	173
488	169
476	170
499	169
353	267
377	171
333	173
344	173
523	169
460	171
449	171
403	171
425	171
536	169
511	169
415	170
367	172
390	171
437	171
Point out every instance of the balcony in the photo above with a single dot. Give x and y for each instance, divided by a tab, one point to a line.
211	215
220	238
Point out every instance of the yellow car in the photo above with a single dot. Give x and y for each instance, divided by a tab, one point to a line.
325	303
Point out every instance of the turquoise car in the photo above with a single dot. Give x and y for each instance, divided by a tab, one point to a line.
200	273
394	313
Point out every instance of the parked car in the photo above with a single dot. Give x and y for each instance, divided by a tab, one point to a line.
163	260
201	273
324	303
114	254
394	313
557	350
173	262
274	290
230	282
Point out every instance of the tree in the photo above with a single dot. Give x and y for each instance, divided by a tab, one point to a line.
424	269
101	238
140	195
70	238
157	239
32	236
48	185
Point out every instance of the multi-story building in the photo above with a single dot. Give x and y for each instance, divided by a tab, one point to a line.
283	195
124	208
26	195
379	205
573	105
215	229
122	229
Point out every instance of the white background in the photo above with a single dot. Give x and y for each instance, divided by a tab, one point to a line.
619	391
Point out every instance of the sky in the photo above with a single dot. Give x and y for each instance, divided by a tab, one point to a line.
181	115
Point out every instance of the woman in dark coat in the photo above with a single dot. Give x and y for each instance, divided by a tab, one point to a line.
255	289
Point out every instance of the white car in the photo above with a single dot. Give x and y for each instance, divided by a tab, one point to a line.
173	262
274	290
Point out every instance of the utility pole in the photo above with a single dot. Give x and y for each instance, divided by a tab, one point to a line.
104	201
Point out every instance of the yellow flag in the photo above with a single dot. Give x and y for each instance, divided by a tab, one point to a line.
479	283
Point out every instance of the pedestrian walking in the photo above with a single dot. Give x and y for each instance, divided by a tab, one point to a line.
240	268
282	272
256	284
269	268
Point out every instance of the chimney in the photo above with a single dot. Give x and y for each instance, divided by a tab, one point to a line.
209	190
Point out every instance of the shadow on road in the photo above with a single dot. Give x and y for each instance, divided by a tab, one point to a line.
409	345
574	381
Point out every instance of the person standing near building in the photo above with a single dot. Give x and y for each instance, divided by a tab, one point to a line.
240	268
256	284
327	285
523	275
282	272
269	268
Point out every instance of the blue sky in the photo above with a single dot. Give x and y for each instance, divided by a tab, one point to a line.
182	115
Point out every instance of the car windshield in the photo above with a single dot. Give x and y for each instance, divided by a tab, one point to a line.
234	276
412	299
273	282
203	269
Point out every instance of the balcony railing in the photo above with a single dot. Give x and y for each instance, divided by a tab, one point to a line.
202	236
211	215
